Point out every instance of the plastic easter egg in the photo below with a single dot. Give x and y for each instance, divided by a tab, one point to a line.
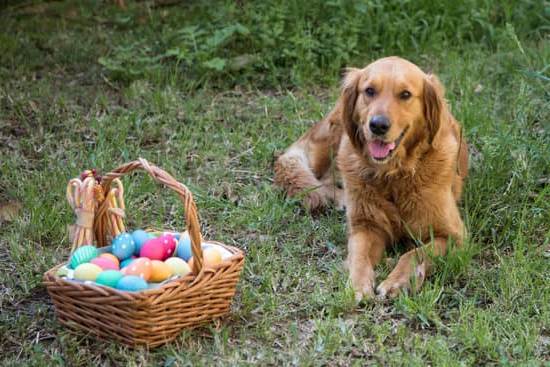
211	257
153	249
140	267
160	271
131	283
178	266
140	237
184	247
87	271
109	278
111	257
62	271
222	250
123	246
83	255
104	263
176	235
125	263
169	243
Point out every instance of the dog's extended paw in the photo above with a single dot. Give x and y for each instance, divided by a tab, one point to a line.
400	280
391	288
315	201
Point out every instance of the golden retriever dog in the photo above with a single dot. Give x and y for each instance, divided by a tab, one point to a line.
402	161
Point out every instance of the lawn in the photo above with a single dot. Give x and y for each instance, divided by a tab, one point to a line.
212	93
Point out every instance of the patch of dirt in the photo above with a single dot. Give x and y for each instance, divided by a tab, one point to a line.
9	211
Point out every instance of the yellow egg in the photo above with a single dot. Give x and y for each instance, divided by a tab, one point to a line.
160	271
211	256
87	271
178	266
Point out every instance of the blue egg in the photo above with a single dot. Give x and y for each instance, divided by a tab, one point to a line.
131	283
184	247
125	263
123	246
140	237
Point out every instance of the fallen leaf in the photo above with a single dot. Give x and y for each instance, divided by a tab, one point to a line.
34	106
242	61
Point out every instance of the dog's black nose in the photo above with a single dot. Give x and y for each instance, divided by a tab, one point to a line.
379	124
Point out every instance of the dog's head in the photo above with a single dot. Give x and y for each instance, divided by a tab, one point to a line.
389	107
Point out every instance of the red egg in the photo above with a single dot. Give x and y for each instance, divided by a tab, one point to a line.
105	263
169	243
153	249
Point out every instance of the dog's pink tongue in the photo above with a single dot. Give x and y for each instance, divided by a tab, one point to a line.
379	149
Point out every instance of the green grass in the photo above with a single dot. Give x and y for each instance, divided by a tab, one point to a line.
211	94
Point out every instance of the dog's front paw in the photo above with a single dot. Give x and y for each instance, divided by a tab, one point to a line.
363	285
402	279
364	294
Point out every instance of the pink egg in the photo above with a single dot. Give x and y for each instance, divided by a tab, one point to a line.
104	263
153	249
169	242
159	248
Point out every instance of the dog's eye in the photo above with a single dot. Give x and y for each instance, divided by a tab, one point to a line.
405	95
370	92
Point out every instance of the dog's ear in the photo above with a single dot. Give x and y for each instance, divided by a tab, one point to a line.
433	104
348	99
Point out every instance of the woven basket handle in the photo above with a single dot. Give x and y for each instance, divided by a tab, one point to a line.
186	197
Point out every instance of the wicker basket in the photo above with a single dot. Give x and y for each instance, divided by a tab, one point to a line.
154	316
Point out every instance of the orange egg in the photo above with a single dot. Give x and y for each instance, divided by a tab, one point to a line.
111	257
159	271
211	256
190	263
141	267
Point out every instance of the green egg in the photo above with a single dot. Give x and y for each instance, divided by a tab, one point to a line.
62	271
83	255
109	278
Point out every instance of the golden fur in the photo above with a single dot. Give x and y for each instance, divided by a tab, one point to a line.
409	195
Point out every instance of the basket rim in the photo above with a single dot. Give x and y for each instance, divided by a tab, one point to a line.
191	279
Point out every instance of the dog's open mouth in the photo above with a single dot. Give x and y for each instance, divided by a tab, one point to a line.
380	150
